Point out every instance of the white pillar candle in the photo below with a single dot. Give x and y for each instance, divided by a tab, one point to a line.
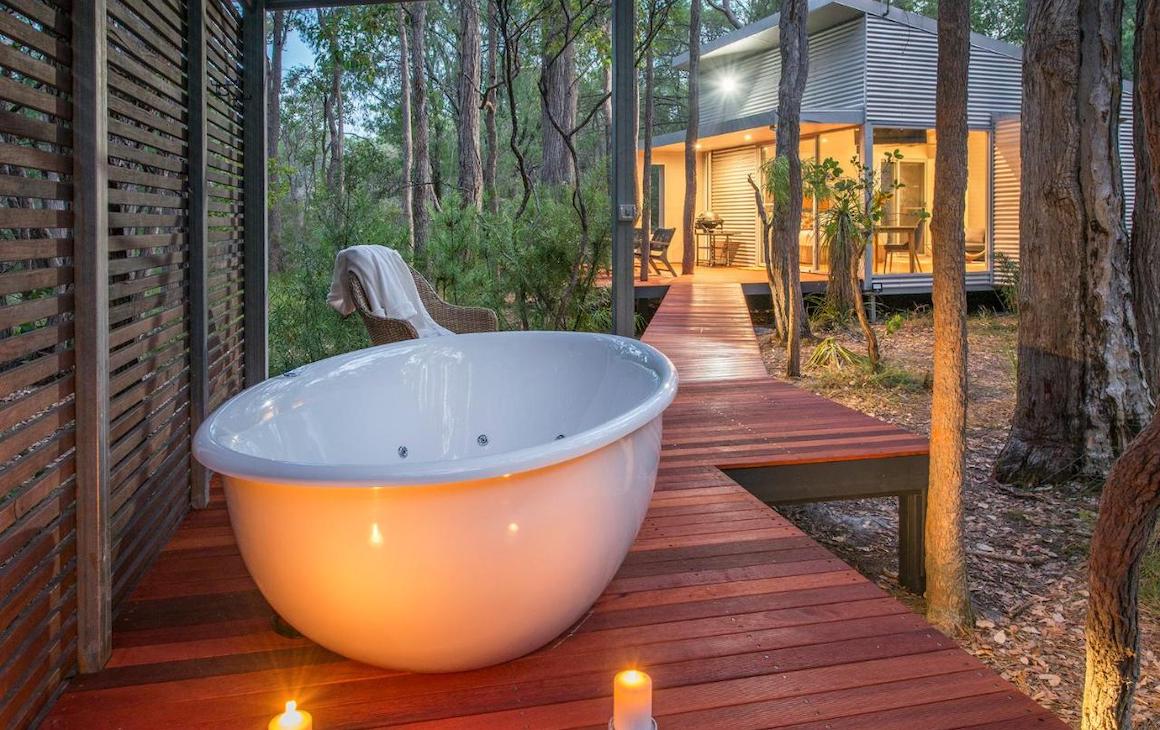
292	719
632	701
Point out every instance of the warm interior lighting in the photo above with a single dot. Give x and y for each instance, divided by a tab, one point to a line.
748	137
376	534
697	146
727	83
513	527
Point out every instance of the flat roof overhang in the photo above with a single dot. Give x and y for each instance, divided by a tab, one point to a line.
759	125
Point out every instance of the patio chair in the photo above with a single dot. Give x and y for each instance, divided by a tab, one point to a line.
910	247
460	320
658	248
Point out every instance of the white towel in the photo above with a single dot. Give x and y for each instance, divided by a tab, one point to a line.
389	288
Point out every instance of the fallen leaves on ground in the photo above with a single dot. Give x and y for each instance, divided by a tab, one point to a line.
1026	549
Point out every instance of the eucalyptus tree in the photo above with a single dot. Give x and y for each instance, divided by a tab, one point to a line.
1081	394
688	231
794	48
1131	498
948	598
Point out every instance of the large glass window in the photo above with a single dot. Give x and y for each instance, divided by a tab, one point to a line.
903	243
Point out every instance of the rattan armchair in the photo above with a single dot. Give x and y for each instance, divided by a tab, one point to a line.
459	320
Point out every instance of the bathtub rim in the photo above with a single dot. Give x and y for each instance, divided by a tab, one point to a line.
224	460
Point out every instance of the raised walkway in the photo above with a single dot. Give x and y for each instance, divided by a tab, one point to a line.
741	620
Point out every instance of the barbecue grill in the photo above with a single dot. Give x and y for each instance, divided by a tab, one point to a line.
709	221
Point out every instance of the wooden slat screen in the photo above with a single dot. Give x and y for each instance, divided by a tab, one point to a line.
149	312
37	414
148	281
224	132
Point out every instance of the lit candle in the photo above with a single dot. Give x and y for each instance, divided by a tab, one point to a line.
292	719
632	701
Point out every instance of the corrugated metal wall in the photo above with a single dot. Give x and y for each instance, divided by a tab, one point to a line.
1006	167
147	249
901	63
731	197
834	82
1127	156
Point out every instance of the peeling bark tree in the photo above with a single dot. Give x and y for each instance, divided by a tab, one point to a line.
1127	518
948	599
491	135
558	103
407	195
1081	391
1131	497
421	188
470	180
787	215
689	255
1146	215
646	172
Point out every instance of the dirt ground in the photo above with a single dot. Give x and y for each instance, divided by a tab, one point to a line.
1027	550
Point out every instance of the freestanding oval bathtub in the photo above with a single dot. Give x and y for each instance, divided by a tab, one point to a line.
443	504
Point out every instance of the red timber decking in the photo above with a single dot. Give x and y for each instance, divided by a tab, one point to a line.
741	619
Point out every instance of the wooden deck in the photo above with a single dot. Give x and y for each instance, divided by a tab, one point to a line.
753	280
741	619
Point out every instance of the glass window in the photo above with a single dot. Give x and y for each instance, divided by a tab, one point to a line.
903	243
656	197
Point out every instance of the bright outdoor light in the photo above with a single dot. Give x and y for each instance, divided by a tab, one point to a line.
748	137
727	83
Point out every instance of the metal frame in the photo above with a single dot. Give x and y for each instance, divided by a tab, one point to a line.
905	477
254	206
624	171
91	262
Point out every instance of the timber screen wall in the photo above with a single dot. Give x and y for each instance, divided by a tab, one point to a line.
170	340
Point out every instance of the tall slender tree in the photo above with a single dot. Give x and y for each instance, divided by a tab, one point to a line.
278	36
1145	223
646	191
947	594
558	96
1082	395
787	207
1131	498
407	191
688	231
422	188
491	134
470	179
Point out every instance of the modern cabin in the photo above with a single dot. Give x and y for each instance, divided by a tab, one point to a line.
870	90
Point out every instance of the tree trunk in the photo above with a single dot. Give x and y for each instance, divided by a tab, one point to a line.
1146	215
787	217
646	172
407	192
842	293
1081	393
689	255
491	135
558	103
334	125
948	598
421	188
470	179
1131	497
274	129
1127	518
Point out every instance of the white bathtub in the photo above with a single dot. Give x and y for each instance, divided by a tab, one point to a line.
443	504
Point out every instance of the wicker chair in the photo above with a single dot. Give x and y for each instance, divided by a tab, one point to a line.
459	320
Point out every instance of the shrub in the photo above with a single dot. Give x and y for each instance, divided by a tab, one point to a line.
895	322
1007	282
